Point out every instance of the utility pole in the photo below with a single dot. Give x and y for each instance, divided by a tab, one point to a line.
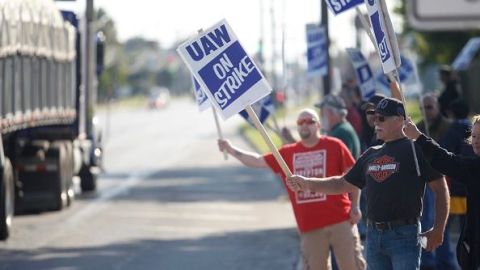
261	58
87	69
324	24
274	44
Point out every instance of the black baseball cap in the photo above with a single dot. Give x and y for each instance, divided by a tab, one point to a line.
390	107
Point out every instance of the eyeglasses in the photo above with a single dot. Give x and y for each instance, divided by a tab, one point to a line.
428	107
380	118
308	121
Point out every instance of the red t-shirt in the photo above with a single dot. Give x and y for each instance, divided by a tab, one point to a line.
328	158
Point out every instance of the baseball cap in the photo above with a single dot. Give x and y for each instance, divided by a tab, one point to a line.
334	101
373	101
390	107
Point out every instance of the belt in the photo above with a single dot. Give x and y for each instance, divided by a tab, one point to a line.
389	225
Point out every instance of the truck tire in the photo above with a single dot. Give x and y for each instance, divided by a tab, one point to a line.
59	181
7	200
88	180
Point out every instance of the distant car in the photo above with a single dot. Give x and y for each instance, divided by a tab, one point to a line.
158	99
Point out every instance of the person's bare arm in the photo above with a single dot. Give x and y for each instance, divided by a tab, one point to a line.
442	205
329	185
355	213
249	159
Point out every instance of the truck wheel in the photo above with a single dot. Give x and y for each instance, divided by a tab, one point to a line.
59	185
88	180
7	200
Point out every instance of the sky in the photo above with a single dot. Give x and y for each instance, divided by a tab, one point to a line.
170	20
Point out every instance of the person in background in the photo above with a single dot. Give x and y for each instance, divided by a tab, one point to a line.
352	116
323	220
451	90
467	171
455	141
394	193
442	258
368	133
334	112
437	123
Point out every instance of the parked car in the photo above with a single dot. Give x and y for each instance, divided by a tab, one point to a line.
159	98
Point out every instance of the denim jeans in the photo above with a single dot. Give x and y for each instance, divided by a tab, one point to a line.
443	258
427	219
395	249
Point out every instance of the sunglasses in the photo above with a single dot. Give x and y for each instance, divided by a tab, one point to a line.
428	107
380	118
308	121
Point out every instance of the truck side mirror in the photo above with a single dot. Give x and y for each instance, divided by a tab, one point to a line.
100	44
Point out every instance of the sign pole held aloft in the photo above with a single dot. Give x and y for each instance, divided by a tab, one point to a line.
366	26
219	131
217	123
228	76
387	48
253	116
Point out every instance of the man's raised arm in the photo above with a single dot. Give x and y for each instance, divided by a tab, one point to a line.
249	159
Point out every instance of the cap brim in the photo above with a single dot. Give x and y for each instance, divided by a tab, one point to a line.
367	105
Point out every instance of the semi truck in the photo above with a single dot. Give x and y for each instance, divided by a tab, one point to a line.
49	61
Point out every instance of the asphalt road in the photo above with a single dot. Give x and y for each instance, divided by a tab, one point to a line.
166	200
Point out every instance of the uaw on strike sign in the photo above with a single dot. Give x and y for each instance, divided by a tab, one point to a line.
223	69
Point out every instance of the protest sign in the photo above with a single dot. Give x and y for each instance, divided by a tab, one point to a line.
317	57
339	6
463	60
228	76
223	69
363	72
200	97
386	42
262	108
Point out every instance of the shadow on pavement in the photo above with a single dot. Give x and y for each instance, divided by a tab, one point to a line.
277	249
233	183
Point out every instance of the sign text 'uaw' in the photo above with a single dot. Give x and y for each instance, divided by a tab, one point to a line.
229	77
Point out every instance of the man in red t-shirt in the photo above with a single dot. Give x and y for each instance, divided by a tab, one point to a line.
323	220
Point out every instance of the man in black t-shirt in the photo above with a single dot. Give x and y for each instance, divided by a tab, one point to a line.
394	193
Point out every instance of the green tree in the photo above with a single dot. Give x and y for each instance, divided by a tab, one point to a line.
115	72
438	47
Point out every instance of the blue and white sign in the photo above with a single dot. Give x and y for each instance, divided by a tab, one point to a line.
463	60
363	72
262	108
339	6
317	57
229	77
407	74
202	99
384	35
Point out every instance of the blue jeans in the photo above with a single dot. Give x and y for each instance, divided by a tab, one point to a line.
395	249
427	219
443	257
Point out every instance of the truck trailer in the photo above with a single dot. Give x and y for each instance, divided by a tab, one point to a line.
49	61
